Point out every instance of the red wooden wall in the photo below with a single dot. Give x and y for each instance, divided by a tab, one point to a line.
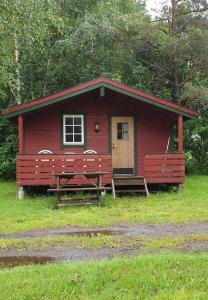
42	128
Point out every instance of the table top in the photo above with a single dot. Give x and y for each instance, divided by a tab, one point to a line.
80	173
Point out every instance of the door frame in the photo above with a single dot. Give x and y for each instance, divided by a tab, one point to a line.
110	116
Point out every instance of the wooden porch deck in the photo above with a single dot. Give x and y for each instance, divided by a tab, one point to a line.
36	169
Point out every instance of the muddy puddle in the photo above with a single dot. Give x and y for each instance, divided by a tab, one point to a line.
91	233
62	231
14	261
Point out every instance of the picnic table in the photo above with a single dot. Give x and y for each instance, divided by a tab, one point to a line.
64	184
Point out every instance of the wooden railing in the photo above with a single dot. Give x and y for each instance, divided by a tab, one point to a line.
164	168
39	169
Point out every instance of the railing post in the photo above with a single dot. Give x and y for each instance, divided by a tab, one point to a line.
21	134
180	134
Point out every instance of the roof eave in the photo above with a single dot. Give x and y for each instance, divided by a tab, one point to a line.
190	114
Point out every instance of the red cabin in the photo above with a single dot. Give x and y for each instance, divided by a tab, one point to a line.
101	125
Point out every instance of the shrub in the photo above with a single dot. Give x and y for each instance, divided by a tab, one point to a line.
8	151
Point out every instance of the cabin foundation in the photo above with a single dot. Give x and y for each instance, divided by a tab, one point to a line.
21	193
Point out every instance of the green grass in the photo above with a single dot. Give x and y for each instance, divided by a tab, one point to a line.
37	213
169	243
158	277
148	277
95	242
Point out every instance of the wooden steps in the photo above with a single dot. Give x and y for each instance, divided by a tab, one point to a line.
129	184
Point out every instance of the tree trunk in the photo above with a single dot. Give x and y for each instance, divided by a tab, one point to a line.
176	88
45	80
17	71
175	84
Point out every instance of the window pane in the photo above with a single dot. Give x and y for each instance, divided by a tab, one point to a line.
119	126
77	138
122	131
77	129
69	120
69	138
119	135
125	126
77	121
69	129
125	136
73	129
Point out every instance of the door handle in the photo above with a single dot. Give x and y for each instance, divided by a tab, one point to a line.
113	146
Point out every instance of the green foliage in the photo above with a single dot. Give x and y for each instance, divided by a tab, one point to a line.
8	149
196	131
7	157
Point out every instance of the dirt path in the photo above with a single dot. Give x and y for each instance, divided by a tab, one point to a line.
156	230
67	253
63	252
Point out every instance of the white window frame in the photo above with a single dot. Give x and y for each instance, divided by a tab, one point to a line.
65	116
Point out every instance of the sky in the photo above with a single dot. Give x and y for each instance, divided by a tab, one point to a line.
154	5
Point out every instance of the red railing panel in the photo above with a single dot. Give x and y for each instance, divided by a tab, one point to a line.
40	169
164	168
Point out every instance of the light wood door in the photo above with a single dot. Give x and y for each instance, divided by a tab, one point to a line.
122	136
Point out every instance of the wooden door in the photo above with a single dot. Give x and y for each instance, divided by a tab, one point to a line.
122	136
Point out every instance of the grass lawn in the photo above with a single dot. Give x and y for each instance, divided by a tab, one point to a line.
169	275
191	205
148	277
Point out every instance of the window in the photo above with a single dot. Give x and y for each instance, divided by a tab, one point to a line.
122	131
73	130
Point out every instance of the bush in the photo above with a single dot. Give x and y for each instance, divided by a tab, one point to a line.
8	151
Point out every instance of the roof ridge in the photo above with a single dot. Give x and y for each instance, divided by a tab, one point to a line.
87	86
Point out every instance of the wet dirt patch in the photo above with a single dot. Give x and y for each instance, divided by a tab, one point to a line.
196	246
91	233
92	243
124	229
65	253
14	261
68	231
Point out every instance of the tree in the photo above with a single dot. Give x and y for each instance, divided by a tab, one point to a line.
176	45
26	24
